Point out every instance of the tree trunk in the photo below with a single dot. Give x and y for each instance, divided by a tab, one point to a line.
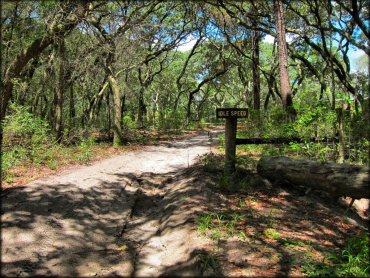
60	91
109	110
72	109
285	88
13	71
117	119
340	131
142	109
255	70
336	179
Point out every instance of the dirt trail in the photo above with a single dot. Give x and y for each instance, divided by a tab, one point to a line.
129	215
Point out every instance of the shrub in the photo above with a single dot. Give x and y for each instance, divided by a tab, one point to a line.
25	128
25	137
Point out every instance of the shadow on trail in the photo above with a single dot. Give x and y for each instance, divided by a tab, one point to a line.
162	227
145	225
62	229
88	227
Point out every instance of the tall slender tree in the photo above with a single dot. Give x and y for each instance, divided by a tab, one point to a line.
285	88
255	69
60	88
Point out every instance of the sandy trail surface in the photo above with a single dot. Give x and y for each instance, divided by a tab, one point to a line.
128	215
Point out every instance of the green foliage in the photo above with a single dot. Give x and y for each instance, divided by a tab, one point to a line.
312	121
129	121
225	182
219	225
10	159
354	261
85	148
25	138
355	257
208	261
291	243
211	162
168	75
204	222
272	233
173	120
21	124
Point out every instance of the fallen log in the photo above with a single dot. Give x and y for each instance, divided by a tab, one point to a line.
336	179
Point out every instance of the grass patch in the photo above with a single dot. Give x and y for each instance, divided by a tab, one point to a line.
220	225
353	261
208	262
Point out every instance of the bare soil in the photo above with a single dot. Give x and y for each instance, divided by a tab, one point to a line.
137	214
121	216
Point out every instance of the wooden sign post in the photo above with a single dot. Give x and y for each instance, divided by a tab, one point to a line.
231	116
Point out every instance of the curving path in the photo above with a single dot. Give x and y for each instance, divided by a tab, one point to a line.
121	216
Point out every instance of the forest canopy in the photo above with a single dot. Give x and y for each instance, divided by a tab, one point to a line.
121	65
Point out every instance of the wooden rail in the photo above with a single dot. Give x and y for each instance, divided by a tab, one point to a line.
260	141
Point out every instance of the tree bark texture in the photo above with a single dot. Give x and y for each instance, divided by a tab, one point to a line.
285	88
117	119
255	70
72	109
230	146
336	179
60	90
340	131
142	109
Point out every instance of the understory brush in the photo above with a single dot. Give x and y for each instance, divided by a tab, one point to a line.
28	143
353	261
25	139
318	122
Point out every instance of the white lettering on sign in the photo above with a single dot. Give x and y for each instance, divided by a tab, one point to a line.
232	113
238	113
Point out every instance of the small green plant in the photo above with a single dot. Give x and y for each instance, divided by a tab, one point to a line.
257	235
269	219
208	261
272	234
242	235
353	261
204	222
218	225
211	162
355	257
241	203
236	216
291	243
216	235
129	121
85	148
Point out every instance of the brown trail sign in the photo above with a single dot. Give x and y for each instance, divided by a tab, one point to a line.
231	116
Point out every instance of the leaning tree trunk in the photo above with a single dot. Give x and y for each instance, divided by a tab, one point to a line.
336	179
34	50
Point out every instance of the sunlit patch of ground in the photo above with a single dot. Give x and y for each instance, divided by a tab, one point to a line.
279	231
